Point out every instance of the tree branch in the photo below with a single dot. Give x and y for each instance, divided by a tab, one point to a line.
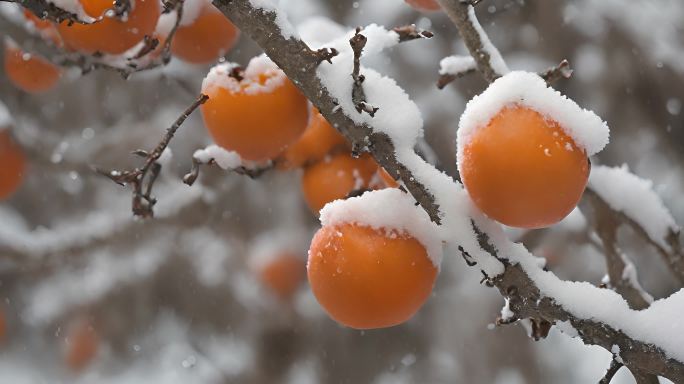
621	274
487	57
142	179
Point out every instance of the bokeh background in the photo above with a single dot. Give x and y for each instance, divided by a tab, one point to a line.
177	299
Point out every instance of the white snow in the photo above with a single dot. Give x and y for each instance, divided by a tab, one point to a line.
286	28
528	89
224	158
454	65
506	312
73	6
397	116
219	76
191	11
660	324
390	210
628	193
495	59
316	31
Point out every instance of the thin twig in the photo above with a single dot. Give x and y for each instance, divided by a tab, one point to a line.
142	179
357	42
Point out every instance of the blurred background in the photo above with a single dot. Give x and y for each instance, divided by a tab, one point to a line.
91	295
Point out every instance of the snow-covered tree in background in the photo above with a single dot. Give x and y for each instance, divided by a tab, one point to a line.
204	280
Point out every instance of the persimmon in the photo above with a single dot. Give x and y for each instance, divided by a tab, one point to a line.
368	278
283	274
257	113
113	35
209	36
28	72
317	141
336	177
13	164
523	170
82	344
424	5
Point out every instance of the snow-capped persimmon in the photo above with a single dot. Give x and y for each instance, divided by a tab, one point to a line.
113	35
424	5
283	274
319	139
82	343
523	170
368	278
336	177
209	36
28	72
12	165
257	113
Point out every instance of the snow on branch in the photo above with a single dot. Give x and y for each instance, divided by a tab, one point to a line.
634	203
600	317
226	160
487	57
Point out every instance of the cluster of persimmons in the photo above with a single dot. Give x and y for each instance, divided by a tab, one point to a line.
202	40
363	277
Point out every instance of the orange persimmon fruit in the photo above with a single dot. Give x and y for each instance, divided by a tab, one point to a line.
337	176
368	278
317	141
113	35
28	72
13	164
523	170
208	37
82	344
283	274
424	5
258	114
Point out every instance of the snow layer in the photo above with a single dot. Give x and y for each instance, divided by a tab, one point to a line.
219	76
387	209
634	196
224	158
318	30
286	29
661	324
495	59
454	65
528	89
397	116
